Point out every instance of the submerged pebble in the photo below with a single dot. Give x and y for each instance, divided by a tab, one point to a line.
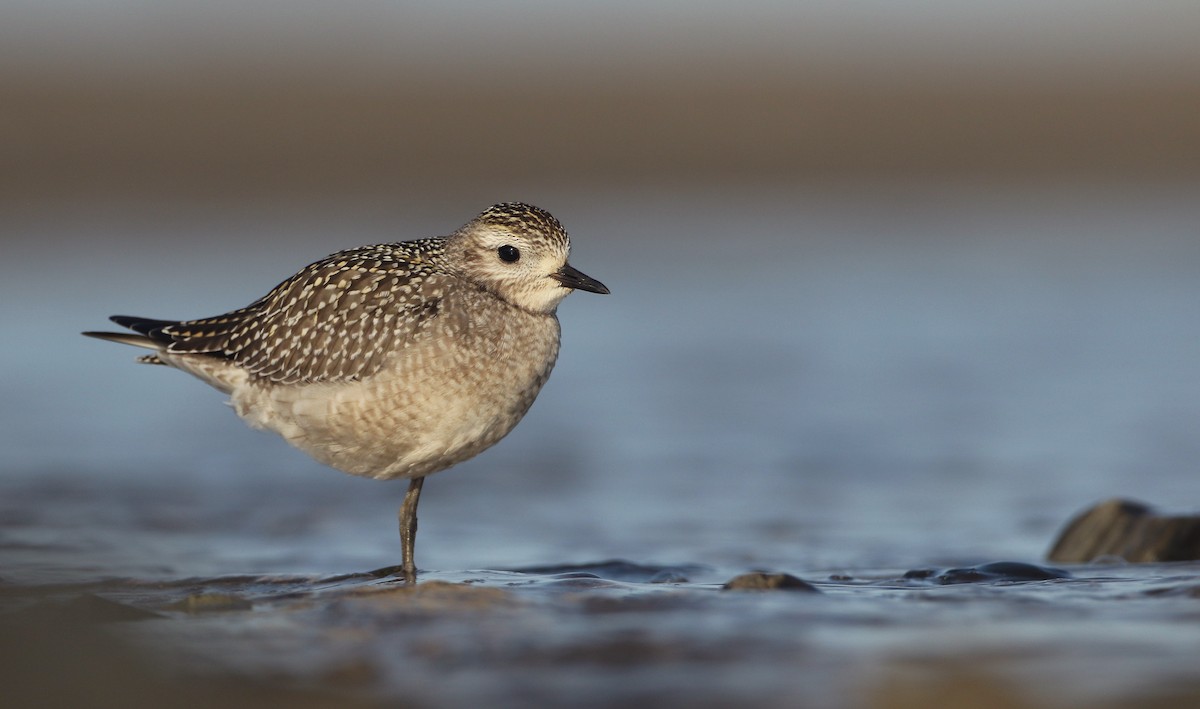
996	571
211	602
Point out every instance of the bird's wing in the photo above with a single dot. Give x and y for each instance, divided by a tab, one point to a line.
336	320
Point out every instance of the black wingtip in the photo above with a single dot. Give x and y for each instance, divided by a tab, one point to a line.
143	326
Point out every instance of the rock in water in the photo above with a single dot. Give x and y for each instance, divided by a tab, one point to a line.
1129	530
762	581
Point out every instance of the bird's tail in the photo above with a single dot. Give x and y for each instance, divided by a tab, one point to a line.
146	333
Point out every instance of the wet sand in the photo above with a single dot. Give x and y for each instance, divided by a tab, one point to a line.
611	634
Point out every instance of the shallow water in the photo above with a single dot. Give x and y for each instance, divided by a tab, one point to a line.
612	633
839	385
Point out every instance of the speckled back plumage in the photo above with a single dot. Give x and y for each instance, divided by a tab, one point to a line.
335	320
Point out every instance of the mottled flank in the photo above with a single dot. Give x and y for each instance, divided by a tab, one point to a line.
393	360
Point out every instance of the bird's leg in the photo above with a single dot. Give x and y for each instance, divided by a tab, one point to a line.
408	529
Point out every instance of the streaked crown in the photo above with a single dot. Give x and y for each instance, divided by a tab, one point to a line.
521	218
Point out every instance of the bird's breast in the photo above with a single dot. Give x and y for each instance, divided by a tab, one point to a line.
438	400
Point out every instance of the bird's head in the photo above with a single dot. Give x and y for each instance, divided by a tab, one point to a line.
519	253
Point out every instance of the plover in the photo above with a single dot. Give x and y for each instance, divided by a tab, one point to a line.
393	360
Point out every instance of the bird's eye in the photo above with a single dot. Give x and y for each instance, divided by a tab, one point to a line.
508	254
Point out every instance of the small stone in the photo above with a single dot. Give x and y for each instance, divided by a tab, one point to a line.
761	581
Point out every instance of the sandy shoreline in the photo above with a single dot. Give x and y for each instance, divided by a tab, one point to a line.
202	134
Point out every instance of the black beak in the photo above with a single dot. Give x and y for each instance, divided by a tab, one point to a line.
570	278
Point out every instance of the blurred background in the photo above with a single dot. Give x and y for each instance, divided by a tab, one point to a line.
892	282
247	101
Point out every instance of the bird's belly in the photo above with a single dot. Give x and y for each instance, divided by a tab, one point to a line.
395	424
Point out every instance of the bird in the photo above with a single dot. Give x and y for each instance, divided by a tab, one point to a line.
394	360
